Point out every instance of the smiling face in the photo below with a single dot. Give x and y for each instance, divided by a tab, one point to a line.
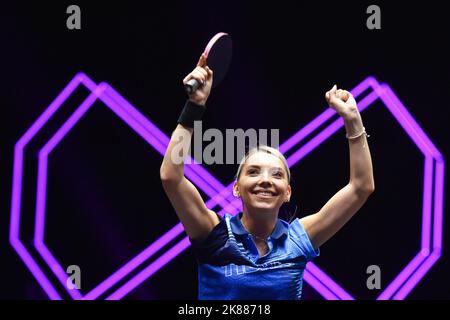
263	182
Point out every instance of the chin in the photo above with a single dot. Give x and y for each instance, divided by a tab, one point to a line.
264	206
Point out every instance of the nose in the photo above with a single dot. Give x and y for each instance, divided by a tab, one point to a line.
265	178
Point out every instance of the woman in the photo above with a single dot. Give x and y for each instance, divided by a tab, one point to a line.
254	254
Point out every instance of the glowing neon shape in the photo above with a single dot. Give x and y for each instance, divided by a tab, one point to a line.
220	195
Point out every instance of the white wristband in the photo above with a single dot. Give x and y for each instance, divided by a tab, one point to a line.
358	135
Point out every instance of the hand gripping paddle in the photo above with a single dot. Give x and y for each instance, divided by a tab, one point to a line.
218	57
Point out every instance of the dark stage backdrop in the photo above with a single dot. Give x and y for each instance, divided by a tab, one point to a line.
105	203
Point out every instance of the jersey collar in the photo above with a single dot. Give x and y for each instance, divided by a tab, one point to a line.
281	227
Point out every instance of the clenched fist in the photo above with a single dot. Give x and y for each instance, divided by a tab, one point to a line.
342	101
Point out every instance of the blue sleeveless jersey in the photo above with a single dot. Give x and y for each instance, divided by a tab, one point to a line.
229	266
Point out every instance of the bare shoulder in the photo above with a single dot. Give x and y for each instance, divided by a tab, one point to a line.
213	220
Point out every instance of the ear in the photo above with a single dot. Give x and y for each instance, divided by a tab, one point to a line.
236	190
288	193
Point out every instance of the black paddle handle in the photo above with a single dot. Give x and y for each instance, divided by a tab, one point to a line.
191	86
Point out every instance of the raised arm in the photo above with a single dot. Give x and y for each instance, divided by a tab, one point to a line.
322	225
196	218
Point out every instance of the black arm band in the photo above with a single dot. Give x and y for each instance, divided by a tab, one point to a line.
191	112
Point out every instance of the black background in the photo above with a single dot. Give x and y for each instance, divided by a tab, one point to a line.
105	202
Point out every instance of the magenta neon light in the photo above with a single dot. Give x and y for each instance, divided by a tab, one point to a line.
319	286
341	293
41	194
195	172
23	253
220	195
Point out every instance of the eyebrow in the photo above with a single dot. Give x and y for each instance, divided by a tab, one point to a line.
259	167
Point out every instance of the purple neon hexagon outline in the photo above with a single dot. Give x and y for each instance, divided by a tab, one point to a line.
42	174
342	294
306	276
40	213
196	173
185	243
38	242
415	271
312	273
14	238
309	277
38	235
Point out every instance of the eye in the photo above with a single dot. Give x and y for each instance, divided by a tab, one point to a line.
278	174
252	171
